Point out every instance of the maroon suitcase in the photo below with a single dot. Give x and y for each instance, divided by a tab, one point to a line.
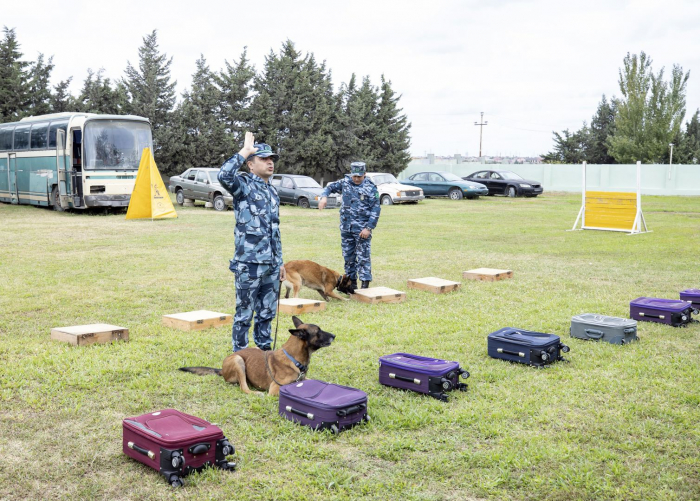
175	444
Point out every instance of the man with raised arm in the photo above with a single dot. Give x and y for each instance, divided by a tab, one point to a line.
257	260
358	217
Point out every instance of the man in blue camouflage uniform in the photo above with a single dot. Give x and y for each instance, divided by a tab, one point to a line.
358	217
257	261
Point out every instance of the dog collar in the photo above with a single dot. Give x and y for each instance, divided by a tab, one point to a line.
337	283
302	368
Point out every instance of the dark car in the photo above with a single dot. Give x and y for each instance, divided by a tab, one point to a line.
303	191
505	182
446	184
201	183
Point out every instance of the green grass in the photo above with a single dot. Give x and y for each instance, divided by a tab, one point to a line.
614	423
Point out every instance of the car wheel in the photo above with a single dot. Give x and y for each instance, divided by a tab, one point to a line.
179	197
386	200
303	203
56	199
219	203
455	194
510	191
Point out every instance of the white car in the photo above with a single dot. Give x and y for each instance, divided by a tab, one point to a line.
393	192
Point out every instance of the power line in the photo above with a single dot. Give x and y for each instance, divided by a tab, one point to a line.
481	130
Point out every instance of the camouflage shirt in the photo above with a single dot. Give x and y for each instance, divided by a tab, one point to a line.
360	208
256	206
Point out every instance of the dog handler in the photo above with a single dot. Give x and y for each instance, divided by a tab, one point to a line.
358	217
257	262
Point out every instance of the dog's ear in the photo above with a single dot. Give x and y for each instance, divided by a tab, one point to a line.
297	322
300	333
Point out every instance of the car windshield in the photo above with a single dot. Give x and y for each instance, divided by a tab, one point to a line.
306	182
509	175
383	179
450	177
115	144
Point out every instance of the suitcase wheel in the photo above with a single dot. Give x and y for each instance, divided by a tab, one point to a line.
444	397
565	348
176	480
465	374
367	418
334	429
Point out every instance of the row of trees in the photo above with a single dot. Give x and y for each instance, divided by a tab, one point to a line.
290	104
638	126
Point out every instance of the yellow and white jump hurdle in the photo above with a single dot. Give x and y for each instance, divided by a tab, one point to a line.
611	211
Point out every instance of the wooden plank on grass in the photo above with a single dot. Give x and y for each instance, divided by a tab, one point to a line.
434	285
82	335
375	295
294	306
197	320
487	274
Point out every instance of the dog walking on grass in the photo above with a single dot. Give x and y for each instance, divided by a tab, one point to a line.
316	277
268	370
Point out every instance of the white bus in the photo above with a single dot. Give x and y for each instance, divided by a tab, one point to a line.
72	160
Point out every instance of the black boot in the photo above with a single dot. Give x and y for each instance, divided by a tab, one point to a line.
365	284
353	284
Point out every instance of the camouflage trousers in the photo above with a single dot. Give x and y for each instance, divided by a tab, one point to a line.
356	252
257	287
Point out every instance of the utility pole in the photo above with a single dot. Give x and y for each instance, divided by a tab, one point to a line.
481	124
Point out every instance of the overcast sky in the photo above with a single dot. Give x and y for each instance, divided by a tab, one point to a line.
530	66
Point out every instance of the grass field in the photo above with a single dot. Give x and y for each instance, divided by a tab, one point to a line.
614	423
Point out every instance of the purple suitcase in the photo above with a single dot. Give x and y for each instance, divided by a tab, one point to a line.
664	311
322	405
431	376
691	296
175	444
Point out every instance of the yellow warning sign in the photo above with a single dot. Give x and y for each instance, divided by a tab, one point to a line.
150	199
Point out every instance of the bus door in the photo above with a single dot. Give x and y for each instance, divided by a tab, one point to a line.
77	170
12	177
64	190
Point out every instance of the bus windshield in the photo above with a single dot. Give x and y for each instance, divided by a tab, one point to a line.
115	144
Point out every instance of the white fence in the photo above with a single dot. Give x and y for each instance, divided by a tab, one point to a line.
656	179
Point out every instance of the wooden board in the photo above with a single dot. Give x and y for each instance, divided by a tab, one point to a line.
296	306
487	274
375	295
613	210
82	335
434	285
197	320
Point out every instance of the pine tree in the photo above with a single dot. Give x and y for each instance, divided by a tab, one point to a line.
38	88
343	133
205	141
650	113
391	142
98	96
362	107
602	127
13	78
688	143
152	95
235	84
61	98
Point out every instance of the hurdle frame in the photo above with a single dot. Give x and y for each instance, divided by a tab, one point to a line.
639	221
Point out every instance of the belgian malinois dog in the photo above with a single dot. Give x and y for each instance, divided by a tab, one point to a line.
268	370
317	277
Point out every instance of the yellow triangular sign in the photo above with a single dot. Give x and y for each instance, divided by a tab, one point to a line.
150	199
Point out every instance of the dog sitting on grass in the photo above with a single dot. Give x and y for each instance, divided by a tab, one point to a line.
317	277
268	370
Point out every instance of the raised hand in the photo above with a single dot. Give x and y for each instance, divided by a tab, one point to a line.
248	145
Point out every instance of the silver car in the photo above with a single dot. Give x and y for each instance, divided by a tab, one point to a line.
201	183
303	191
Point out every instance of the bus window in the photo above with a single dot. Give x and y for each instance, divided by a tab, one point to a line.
52	132
115	144
77	142
6	138
38	137
21	137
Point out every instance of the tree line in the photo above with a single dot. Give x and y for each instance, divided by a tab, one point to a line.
290	104
640	125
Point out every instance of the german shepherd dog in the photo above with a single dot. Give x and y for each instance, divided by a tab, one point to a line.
317	277
268	370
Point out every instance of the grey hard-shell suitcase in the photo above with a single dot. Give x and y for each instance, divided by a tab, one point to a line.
603	328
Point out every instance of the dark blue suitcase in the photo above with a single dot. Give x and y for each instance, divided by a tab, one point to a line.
527	347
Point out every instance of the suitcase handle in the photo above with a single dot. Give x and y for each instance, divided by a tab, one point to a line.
141	450
351	410
307	415
594	334
642	314
404	378
514	353
199	448
630	330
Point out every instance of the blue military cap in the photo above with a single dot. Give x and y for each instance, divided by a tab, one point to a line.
264	151
358	169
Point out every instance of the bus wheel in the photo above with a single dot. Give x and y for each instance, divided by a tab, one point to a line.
56	199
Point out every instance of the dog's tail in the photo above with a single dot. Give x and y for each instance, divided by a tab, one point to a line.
202	371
